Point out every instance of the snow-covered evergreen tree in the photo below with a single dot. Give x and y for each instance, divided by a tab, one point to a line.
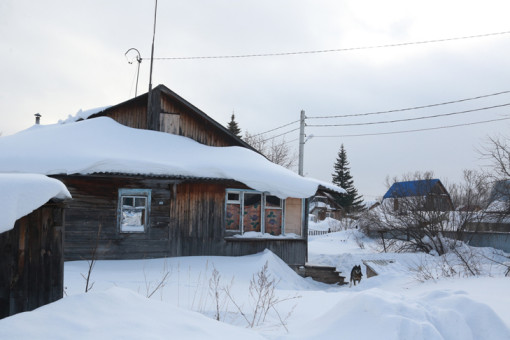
234	127
351	201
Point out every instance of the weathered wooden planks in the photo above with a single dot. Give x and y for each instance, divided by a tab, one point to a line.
186	219
31	261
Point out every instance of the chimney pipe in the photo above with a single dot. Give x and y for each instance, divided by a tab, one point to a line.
37	118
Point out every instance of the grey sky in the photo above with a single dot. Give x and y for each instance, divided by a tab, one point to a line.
58	57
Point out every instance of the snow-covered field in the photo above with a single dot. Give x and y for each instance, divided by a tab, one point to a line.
397	304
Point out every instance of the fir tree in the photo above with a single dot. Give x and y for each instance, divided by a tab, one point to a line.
233	127
351	201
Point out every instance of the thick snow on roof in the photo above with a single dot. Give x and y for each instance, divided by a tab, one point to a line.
101	145
82	114
23	193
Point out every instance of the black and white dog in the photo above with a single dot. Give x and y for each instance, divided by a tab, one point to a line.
355	275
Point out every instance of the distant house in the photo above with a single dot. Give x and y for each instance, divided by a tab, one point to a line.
323	205
31	248
428	195
499	201
495	218
171	182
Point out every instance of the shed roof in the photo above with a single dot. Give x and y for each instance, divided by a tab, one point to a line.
411	188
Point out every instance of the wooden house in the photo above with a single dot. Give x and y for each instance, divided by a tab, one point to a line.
426	195
172	114
31	252
145	194
323	205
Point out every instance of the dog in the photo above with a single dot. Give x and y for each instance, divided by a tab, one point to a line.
355	275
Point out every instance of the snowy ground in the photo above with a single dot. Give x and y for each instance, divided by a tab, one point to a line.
397	304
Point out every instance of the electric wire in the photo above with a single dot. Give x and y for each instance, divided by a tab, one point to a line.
276	128
409	108
410	119
258	55
281	134
411	131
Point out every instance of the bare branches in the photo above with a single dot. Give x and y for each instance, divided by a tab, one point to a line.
219	293
497	151
91	262
149	288
424	221
263	296
277	152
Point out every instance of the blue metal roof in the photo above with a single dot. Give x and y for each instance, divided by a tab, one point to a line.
411	188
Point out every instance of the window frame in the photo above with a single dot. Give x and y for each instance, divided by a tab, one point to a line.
263	207
134	193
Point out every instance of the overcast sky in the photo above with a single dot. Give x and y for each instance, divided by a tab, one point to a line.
58	57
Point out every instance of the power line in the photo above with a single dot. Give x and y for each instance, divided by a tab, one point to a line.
411	119
292	141
416	130
410	108
276	128
257	55
381	112
281	134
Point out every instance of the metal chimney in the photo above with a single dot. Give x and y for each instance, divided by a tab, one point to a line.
37	118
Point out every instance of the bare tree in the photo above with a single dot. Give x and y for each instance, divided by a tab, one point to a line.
277	151
424	223
497	151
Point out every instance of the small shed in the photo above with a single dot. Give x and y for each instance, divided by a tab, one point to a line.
31	245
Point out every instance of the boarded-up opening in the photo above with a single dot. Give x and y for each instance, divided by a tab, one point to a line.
293	216
169	123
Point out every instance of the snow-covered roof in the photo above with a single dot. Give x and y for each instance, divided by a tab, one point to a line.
101	145
23	193
80	115
498	206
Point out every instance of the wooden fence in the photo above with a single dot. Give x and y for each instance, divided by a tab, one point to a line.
312	232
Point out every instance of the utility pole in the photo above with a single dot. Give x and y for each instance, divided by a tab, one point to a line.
149	95
301	141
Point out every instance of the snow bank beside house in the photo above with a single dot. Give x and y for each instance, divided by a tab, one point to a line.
20	194
116	313
390	306
102	145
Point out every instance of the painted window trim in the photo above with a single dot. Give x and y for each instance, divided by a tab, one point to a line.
263	208
134	192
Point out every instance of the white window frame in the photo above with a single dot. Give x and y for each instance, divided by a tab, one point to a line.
121	208
263	207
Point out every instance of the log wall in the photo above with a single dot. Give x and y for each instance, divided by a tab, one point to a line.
132	114
31	261
193	126
186	219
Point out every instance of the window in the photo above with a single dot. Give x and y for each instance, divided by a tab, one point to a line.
248	210
133	210
233	213
274	215
252	212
